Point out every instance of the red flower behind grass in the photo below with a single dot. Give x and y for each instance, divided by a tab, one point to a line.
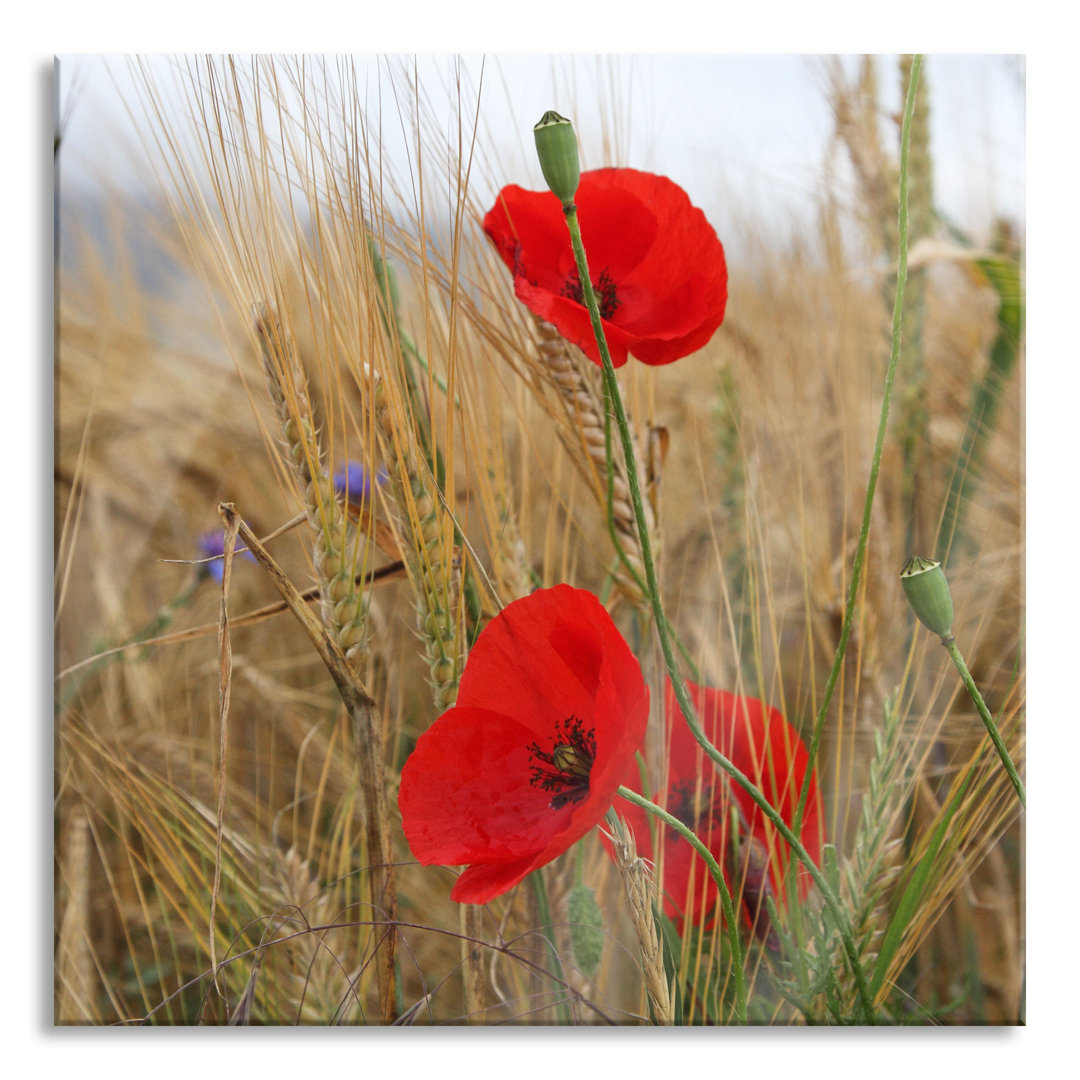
658	268
551	710
754	857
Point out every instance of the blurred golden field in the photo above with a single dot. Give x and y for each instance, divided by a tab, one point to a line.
188	835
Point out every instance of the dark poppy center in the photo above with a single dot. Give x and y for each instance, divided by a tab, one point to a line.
692	803
604	287
566	767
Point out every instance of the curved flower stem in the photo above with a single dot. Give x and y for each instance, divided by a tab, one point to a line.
620	551
988	720
875	465
682	695
717	875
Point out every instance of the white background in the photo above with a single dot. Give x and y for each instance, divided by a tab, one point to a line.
671	25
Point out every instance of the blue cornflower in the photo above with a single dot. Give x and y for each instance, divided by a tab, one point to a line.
353	481
212	546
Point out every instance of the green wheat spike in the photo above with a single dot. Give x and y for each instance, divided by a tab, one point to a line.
1004	275
586	929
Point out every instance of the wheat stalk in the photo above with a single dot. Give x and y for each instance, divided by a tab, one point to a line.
434	567
577	382
73	960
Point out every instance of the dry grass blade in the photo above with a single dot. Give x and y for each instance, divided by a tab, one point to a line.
224	694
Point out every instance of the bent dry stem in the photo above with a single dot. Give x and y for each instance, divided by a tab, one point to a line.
368	735
678	685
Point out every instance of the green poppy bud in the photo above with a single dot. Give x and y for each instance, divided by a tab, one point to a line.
928	594
556	146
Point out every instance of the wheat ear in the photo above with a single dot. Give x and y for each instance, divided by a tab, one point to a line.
638	888
338	546
856	110
308	974
336	554
875	863
432	560
577	382
513	574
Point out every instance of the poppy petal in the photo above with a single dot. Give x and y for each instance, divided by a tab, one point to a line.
484	785
481	883
541	659
662	265
763	746
462	796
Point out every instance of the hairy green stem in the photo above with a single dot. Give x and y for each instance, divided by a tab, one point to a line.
682	695
988	720
875	465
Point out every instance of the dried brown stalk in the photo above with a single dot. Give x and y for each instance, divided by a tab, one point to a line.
74	964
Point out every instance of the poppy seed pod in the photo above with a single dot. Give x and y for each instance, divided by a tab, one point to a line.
927	591
556	147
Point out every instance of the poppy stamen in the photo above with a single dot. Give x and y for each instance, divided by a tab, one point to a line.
566	768
604	287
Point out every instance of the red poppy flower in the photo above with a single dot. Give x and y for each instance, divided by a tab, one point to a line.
658	268
763	746
551	710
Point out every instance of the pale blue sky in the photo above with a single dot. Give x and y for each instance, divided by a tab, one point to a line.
746	134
